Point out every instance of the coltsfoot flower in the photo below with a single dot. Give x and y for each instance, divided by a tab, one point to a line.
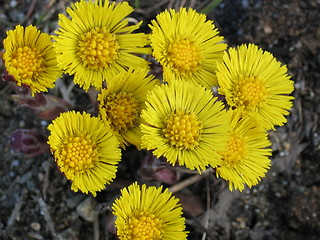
121	104
85	150
96	42
148	213
187	45
30	58
185	124
255	82
245	159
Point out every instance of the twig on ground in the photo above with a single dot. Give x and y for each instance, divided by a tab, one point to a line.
192	3
185	170
30	10
207	214
181	185
156	6
6	88
46	181
96	232
16	211
5	192
65	90
170	4
50	4
177	5
210	235
182	3
132	20
44	210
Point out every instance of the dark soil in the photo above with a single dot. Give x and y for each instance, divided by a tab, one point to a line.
35	198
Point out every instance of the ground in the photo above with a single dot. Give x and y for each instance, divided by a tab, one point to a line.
36	201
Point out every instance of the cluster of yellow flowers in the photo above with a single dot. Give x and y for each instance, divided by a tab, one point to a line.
177	117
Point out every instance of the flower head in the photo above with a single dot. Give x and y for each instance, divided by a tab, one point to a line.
121	104
185	124
30	58
96	43
254	81
187	46
85	150
245	157
148	213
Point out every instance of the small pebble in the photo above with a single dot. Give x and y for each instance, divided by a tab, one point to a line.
44	123
41	177
267	29
87	209
21	124
35	226
13	3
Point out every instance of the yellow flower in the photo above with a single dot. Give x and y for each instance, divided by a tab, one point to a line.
121	104
30	58
96	42
254	81
85	150
148	213
245	157
185	124
187	46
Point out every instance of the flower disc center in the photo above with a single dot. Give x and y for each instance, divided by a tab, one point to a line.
184	55
28	62
122	109
79	154
145	226
235	150
250	92
98	48
182	130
